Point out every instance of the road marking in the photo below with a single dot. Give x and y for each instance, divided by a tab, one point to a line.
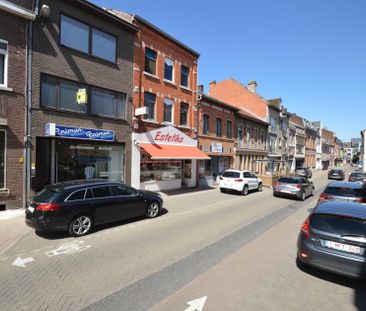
68	248
19	262
197	304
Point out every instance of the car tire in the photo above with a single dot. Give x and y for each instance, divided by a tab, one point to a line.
275	194
153	209
222	190
303	196
300	264
80	225
245	190
260	187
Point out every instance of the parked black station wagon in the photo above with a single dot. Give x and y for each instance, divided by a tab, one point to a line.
77	206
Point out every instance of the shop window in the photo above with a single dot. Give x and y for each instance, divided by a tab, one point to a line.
2	158
168	110
120	190
108	103
3	63
169	70
229	129
150	61
77	35
184	76
156	170
183	114
100	192
205	169
150	99
206	124
218	127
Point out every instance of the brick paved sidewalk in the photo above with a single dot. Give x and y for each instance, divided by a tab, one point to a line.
12	228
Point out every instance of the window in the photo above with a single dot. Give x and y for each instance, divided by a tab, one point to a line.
3	63
104	45
169	70
2	159
150	61
77	195
168	110
184	74
247	175
206	124
150	99
218	127
77	35
231	174
107	103
100	192
240	133
228	129
183	114
61	94
89	194
121	190
248	133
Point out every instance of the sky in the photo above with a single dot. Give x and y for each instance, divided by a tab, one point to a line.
310	53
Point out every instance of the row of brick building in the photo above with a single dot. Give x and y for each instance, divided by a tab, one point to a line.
89	92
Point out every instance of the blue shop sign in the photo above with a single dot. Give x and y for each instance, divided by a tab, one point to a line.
53	129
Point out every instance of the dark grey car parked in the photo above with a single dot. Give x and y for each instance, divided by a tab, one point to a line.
294	186
333	238
77	206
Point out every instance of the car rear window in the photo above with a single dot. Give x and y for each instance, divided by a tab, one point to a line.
361	175
231	174
341	225
46	195
289	180
344	191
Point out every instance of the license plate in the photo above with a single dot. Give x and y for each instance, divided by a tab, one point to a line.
31	209
343	247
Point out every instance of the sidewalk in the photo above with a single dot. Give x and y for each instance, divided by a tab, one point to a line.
12	228
168	193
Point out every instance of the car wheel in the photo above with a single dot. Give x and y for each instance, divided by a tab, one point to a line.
245	190
153	210
260	187
303	196
80	225
300	264
222	190
275	194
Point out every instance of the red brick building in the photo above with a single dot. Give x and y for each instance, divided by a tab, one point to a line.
165	87
15	20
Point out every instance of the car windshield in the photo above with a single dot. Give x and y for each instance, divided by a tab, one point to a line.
289	180
230	174
338	224
344	191
46	195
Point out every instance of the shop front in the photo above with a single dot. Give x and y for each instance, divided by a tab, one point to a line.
70	153
164	159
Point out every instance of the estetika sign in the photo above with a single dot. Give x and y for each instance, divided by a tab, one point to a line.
53	129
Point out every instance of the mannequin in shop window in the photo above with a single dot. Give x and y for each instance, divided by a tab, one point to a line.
89	171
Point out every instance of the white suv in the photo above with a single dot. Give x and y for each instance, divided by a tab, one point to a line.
241	181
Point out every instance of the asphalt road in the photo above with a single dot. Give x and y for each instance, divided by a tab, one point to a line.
238	252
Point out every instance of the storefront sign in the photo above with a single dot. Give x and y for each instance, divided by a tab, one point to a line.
53	129
215	147
167	137
81	97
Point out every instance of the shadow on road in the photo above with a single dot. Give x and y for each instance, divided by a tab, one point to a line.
359	286
63	235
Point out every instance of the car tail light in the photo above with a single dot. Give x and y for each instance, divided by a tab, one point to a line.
238	180
361	200
221	178
48	207
298	186
350	178
305	228
324	196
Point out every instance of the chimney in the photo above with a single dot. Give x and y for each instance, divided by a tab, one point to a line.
252	86
200	88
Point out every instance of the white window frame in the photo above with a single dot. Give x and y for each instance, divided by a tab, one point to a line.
5	53
5	156
172	112
167	59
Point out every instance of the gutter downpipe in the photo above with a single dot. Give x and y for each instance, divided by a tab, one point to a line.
28	137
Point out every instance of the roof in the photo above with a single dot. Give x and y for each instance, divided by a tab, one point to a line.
207	97
275	103
104	13
342	208
297	120
250	115
346	184
131	18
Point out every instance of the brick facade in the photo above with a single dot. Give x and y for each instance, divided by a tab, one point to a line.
13	29
52	58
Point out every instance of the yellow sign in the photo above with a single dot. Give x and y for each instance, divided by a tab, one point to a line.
81	97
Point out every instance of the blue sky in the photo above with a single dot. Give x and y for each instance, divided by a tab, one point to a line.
311	53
